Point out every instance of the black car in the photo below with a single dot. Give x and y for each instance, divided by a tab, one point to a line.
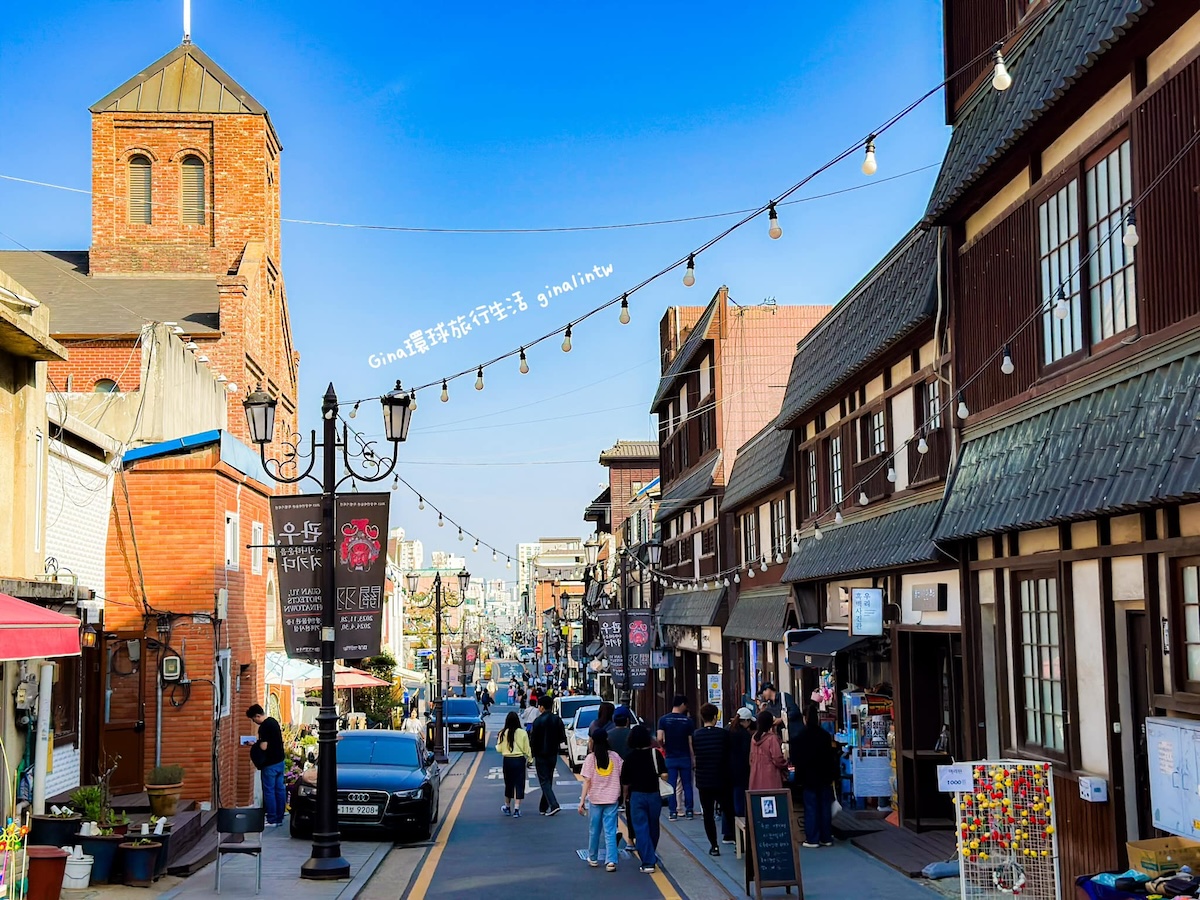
387	782
464	722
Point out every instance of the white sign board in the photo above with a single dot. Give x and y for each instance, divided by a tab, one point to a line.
714	689
955	779
866	612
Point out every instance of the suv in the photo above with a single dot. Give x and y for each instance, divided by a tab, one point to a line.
464	722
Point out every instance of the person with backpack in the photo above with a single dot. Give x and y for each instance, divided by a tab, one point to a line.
269	758
546	735
712	748
513	744
642	771
601	775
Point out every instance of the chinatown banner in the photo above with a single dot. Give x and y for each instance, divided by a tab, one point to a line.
469	664
359	567
638	631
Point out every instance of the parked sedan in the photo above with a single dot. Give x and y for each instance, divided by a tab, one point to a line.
577	735
387	783
464	723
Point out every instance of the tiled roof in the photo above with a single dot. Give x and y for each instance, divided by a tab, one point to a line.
647	450
691	608
760	465
759	615
689	489
1128	445
185	80
896	297
893	539
690	348
600	508
82	305
1056	52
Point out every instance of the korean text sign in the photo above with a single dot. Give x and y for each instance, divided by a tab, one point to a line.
866	612
297	523
638	625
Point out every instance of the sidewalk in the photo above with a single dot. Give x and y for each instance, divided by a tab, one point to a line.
838	871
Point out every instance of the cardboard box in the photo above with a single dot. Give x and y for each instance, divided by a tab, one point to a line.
1154	857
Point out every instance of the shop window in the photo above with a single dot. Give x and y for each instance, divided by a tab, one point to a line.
750	537
224	684
1187	637
256	551
835	469
232	527
65	702
781	527
813	494
1037	631
140	203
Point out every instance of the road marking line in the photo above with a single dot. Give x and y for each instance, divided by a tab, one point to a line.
429	866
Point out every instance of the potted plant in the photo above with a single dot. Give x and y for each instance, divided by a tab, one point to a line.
141	856
103	842
164	838
164	785
102	848
116	820
56	828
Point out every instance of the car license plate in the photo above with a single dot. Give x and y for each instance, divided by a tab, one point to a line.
357	809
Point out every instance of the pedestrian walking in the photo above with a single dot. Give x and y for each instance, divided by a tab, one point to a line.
815	758
512	693
487	702
618	735
711	745
529	715
413	725
513	744
675	731
768	766
603	720
642	770
269	760
546	735
601	775
741	731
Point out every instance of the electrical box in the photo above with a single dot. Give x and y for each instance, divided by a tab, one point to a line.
1093	789
222	604
172	668
24	695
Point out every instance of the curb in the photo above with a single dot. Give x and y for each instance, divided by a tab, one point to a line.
701	857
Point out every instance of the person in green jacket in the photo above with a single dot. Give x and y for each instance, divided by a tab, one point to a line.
513	744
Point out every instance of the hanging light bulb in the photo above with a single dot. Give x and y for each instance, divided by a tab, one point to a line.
1062	308
524	367
475	549
508	565
566	344
1131	236
479	379
353	486
441	521
963	412
328	412
1001	80
494	556
445	391
689	275
750	572
774	231
778	558
922	445
412	401
863	499
396	483
737	579
1006	364
838	518
354	412
891	474
726	581
624	309
460	534
420	503
817	533
764	564
870	165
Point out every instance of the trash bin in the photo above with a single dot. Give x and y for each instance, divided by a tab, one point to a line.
45	870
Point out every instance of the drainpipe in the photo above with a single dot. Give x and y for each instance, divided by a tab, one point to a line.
158	714
41	752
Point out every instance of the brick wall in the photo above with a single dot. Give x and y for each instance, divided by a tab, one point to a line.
90	361
621	480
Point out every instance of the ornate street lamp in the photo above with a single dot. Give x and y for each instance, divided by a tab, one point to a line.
440	602
326	861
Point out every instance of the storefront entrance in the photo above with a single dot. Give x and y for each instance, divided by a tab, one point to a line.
929	731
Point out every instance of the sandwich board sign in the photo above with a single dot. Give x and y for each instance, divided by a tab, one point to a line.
772	851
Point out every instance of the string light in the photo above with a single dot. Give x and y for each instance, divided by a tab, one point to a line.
441	521
963	412
1006	364
774	231
508	565
1001	80
396	483
475	549
1062	308
566	344
863	499
726	581
817	532
750	572
764	564
524	367
445	391
922	445
479	379
891	473
354	412
624	319
689	275
420	501
870	165
838	518
494	556
460	534
1131	236
412	400
737	579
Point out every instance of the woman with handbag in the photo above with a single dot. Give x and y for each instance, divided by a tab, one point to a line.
768	765
644	779
816	771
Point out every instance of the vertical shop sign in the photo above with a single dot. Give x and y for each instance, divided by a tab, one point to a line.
360	565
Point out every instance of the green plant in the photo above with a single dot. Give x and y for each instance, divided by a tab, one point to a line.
165	775
89	800
114	818
309	740
144	842
64	812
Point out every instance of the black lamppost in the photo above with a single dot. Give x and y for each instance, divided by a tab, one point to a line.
653	558
464	581
326	861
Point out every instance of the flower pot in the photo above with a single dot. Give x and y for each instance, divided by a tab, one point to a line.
120	830
164	798
164	852
140	860
103	850
53	831
79	872
45	871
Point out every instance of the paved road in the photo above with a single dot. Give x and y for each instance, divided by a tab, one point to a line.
480	852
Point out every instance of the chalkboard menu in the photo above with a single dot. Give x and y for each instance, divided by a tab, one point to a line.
772	859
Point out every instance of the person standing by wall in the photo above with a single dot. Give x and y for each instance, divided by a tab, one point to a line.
601	775
513	744
675	731
711	745
546	735
641	771
270	762
768	766
740	735
816	770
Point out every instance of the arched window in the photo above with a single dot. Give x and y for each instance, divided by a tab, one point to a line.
192	184
105	386
139	190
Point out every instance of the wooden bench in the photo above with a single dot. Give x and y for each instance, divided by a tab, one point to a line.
739	836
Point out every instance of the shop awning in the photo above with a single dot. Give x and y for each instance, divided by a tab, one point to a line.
690	489
696	609
28	631
345	679
822	649
759	615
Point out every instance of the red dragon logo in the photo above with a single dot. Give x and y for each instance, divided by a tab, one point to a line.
639	633
360	545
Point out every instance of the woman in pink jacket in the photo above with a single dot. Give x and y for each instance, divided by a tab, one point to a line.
768	766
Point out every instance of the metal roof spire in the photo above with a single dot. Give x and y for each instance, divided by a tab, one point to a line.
187	21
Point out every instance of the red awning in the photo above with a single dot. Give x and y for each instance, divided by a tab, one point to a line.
28	631
346	678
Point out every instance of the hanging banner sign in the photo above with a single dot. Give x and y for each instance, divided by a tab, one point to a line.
866	612
641	636
296	520
360	567
472	658
610	635
636	651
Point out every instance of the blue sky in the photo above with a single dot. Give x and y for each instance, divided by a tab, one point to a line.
521	116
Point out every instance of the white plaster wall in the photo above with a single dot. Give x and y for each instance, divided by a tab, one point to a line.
78	500
903	426
952	615
1090	715
1127	580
